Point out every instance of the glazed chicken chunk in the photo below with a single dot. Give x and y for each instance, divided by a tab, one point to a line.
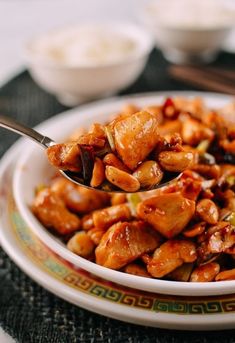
125	242
171	255
52	212
135	137
167	213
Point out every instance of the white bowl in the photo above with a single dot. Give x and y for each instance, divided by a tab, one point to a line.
33	169
188	34
79	82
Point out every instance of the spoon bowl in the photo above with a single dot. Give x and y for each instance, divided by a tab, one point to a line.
46	142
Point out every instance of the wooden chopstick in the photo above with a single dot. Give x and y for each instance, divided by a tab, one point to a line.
207	78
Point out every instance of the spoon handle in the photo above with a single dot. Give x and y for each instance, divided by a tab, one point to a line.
13	125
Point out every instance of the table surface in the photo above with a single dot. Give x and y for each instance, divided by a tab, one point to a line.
27	311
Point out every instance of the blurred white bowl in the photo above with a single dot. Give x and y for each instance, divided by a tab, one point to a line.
79	80
189	31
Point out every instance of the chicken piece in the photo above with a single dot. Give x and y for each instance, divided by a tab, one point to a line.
167	213
125	242
193	132
97	130
50	209
189	185
96	234
205	273
135	137
65	156
79	199
170	255
146	258
136	269
181	273
169	127
106	217
195	106
222	237
91	139
226	275
216	240
155	111
95	136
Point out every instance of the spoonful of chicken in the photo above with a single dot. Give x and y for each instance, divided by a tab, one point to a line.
126	155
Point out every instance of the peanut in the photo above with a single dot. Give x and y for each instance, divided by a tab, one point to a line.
98	174
122	179
207	210
148	174
176	161
81	244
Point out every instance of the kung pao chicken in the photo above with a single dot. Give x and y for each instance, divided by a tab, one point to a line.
184	231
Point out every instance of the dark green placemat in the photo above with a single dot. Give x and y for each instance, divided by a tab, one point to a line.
28	312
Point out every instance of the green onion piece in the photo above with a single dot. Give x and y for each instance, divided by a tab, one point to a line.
231	180
133	200
206	158
39	188
231	219
203	146
109	137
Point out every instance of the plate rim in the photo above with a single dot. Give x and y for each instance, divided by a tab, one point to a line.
162	286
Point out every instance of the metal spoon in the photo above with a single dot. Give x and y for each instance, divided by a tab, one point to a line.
45	142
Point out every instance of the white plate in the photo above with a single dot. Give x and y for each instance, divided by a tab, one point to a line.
92	293
33	169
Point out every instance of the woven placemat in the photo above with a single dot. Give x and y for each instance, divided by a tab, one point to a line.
27	311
